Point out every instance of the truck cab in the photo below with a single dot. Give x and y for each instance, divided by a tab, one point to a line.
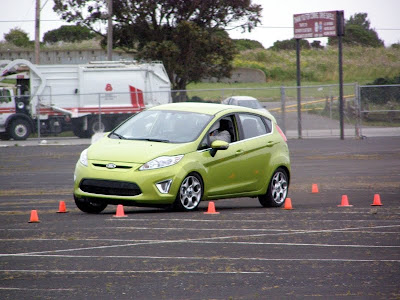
15	120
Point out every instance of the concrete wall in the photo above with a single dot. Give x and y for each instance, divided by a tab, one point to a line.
51	57
243	75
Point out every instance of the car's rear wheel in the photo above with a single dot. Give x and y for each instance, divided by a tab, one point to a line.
88	206
190	193
277	190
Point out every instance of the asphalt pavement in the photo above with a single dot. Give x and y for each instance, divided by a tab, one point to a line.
317	249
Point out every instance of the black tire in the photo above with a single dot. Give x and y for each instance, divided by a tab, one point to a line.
4	136
88	206
189	194
277	191
19	129
78	130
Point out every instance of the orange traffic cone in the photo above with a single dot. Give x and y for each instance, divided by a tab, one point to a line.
120	212
211	208
288	204
34	217
377	200
62	208
314	188
345	202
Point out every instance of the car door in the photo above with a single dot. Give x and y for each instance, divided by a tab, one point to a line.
256	144
223	170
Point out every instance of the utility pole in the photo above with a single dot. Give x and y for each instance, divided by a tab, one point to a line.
37	33
109	31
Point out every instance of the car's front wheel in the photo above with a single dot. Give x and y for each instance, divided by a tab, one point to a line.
277	190
88	206
190	193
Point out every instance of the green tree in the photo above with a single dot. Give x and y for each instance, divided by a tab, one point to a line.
72	33
18	37
187	36
357	32
395	46
290	45
246	44
316	45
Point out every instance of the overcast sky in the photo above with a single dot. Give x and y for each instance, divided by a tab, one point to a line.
276	24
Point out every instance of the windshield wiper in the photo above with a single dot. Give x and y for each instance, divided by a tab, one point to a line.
118	135
152	140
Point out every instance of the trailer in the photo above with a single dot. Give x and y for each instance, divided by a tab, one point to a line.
84	98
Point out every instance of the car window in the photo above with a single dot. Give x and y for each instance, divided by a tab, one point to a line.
250	103
224	129
164	126
268	124
252	125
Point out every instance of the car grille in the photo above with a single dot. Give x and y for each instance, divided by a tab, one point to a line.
116	167
110	187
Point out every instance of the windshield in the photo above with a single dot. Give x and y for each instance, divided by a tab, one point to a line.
250	103
163	126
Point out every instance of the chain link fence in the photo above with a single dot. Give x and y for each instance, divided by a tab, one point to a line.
380	109
318	115
368	110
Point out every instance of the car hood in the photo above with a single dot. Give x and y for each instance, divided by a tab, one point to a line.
133	151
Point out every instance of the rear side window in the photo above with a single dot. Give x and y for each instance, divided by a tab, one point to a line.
252	126
268	124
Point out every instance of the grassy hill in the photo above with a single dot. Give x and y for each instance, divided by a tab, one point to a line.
361	65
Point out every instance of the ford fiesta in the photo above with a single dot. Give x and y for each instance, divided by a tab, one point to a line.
176	155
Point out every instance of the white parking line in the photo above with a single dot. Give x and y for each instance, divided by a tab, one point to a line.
34	289
212	258
132	272
197	240
238	220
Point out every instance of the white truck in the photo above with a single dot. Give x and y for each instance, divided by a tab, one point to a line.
83	98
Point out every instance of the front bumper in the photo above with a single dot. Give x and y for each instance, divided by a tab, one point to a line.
126	184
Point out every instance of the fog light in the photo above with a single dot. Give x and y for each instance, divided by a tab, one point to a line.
163	186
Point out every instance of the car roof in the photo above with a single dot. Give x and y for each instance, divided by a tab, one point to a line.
243	98
208	108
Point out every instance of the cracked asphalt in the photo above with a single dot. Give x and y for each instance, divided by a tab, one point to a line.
246	252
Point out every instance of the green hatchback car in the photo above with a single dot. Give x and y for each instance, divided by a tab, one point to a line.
178	154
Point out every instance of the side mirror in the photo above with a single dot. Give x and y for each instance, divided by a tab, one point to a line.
218	145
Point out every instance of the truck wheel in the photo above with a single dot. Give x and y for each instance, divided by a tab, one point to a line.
4	136
19	129
94	126
78	131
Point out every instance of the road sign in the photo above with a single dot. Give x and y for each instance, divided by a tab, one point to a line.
318	24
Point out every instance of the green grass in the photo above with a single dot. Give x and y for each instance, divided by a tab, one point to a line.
360	64
266	92
318	67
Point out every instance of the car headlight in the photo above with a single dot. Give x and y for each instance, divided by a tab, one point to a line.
83	158
161	162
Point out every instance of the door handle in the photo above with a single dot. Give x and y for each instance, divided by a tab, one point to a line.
239	152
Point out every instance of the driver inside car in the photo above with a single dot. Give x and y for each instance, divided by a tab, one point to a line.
219	131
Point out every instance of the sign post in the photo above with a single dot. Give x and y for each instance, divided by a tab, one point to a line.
299	124
315	25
